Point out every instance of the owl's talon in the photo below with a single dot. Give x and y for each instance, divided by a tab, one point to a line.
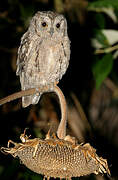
37	91
55	83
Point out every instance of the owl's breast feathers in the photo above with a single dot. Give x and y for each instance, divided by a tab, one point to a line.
42	61
57	58
51	61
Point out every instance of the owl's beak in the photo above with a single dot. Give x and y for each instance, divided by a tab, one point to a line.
51	31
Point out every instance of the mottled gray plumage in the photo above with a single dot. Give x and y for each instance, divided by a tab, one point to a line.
44	53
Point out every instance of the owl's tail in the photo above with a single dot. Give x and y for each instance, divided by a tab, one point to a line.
32	99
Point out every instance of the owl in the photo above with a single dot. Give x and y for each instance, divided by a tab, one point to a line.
43	55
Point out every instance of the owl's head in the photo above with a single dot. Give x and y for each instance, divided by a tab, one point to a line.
49	24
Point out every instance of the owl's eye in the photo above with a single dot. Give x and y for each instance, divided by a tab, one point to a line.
58	25
44	24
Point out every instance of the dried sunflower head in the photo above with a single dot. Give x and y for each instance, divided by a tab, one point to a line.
53	157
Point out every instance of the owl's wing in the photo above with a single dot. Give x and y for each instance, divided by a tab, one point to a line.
66	56
23	53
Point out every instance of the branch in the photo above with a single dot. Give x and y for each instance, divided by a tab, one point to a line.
18	95
106	50
61	132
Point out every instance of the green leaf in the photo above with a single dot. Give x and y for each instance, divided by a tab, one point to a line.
101	38
100	20
103	3
102	68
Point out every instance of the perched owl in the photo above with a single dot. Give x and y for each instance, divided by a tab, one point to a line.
44	53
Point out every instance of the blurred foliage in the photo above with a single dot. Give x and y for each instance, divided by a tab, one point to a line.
103	3
92	27
102	68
